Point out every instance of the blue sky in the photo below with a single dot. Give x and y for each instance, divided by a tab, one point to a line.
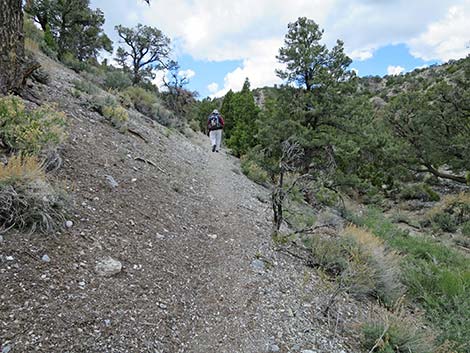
219	43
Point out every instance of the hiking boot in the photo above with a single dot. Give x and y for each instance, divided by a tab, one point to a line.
213	148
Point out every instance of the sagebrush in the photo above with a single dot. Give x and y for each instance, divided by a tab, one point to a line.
29	131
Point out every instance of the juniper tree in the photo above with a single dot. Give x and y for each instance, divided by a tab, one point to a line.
146	49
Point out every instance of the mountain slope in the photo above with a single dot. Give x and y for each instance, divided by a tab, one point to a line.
200	273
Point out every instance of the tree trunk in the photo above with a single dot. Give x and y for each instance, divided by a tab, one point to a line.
434	171
12	55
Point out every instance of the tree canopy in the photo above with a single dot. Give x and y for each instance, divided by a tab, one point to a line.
146	49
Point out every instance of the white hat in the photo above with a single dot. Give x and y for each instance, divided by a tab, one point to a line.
215	111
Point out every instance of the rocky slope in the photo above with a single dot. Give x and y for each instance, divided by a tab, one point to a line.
194	269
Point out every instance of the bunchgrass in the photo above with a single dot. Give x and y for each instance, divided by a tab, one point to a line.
437	278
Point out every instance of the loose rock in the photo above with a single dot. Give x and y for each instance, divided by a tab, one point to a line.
108	267
46	258
212	236
274	348
258	265
68	224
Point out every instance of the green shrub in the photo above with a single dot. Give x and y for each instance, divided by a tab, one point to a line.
98	103
253	171
445	222
466	229
452	212
421	192
85	86
29	131
164	116
108	107
142	99
117	80
124	99
117	115
194	125
70	61
27	201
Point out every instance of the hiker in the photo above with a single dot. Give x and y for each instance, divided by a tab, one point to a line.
215	125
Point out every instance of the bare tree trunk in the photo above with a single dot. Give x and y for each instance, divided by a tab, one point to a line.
12	55
278	196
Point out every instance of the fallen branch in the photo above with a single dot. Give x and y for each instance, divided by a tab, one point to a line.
140	159
380	339
313	229
138	134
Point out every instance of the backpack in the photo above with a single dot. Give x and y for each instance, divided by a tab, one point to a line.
214	122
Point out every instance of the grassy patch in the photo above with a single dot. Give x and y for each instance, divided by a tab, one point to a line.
437	277
28	202
362	264
395	333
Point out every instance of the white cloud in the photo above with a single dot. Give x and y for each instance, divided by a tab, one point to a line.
361	54
259	68
187	73
252	31
395	70
213	87
445	39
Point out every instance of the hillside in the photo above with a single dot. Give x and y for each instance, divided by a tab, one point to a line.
199	271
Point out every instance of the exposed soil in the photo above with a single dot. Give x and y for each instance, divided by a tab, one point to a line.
187	228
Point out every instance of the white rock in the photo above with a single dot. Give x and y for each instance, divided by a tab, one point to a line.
108	267
274	348
258	265
45	258
68	224
9	258
212	236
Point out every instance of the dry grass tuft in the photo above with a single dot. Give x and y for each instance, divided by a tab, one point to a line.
396	332
21	169
27	201
361	263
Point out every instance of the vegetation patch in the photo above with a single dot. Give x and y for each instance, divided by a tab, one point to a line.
421	192
30	132
361	263
452	213
395	333
117	115
28	202
253	171
86	87
436	276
